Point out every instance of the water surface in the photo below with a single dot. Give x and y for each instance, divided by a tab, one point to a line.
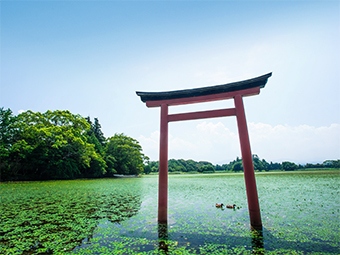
300	214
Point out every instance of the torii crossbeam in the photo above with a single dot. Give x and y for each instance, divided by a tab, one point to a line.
236	91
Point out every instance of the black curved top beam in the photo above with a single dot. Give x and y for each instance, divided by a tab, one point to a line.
210	90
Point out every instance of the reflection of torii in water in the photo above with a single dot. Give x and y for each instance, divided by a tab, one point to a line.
235	90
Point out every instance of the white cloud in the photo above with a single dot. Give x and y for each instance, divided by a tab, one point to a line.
215	142
296	143
150	144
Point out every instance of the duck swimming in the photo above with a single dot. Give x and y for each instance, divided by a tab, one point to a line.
219	205
231	206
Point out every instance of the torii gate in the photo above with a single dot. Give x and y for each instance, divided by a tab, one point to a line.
235	90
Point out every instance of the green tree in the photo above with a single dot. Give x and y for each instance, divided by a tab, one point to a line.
219	167
237	166
257	163
175	165
7	134
191	165
204	166
96	137
52	145
127	154
154	165
96	127
274	166
333	163
289	166
147	169
207	169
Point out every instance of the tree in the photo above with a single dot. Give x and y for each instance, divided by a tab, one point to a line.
191	165
154	165
204	166
62	145
98	132
95	130
274	166
207	169
258	165
219	167
237	167
7	134
334	163
95	135
289	166
52	145
176	166
147	169
127	154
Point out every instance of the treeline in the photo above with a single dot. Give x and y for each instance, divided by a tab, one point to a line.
62	145
182	165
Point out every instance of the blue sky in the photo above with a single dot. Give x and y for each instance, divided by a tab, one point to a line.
90	57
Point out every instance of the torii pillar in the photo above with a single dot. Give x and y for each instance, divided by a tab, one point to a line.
235	91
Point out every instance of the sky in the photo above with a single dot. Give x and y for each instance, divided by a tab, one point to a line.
90	57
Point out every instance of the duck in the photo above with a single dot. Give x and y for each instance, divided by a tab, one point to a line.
231	206
219	205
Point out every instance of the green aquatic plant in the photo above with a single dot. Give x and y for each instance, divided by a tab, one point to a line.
299	211
52	217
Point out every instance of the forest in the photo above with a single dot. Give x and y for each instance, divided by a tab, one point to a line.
181	165
61	145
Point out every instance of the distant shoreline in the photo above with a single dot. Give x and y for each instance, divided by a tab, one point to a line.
312	170
125	176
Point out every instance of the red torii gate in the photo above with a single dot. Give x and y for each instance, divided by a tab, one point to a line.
235	90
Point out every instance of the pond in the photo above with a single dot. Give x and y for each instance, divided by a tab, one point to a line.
300	214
